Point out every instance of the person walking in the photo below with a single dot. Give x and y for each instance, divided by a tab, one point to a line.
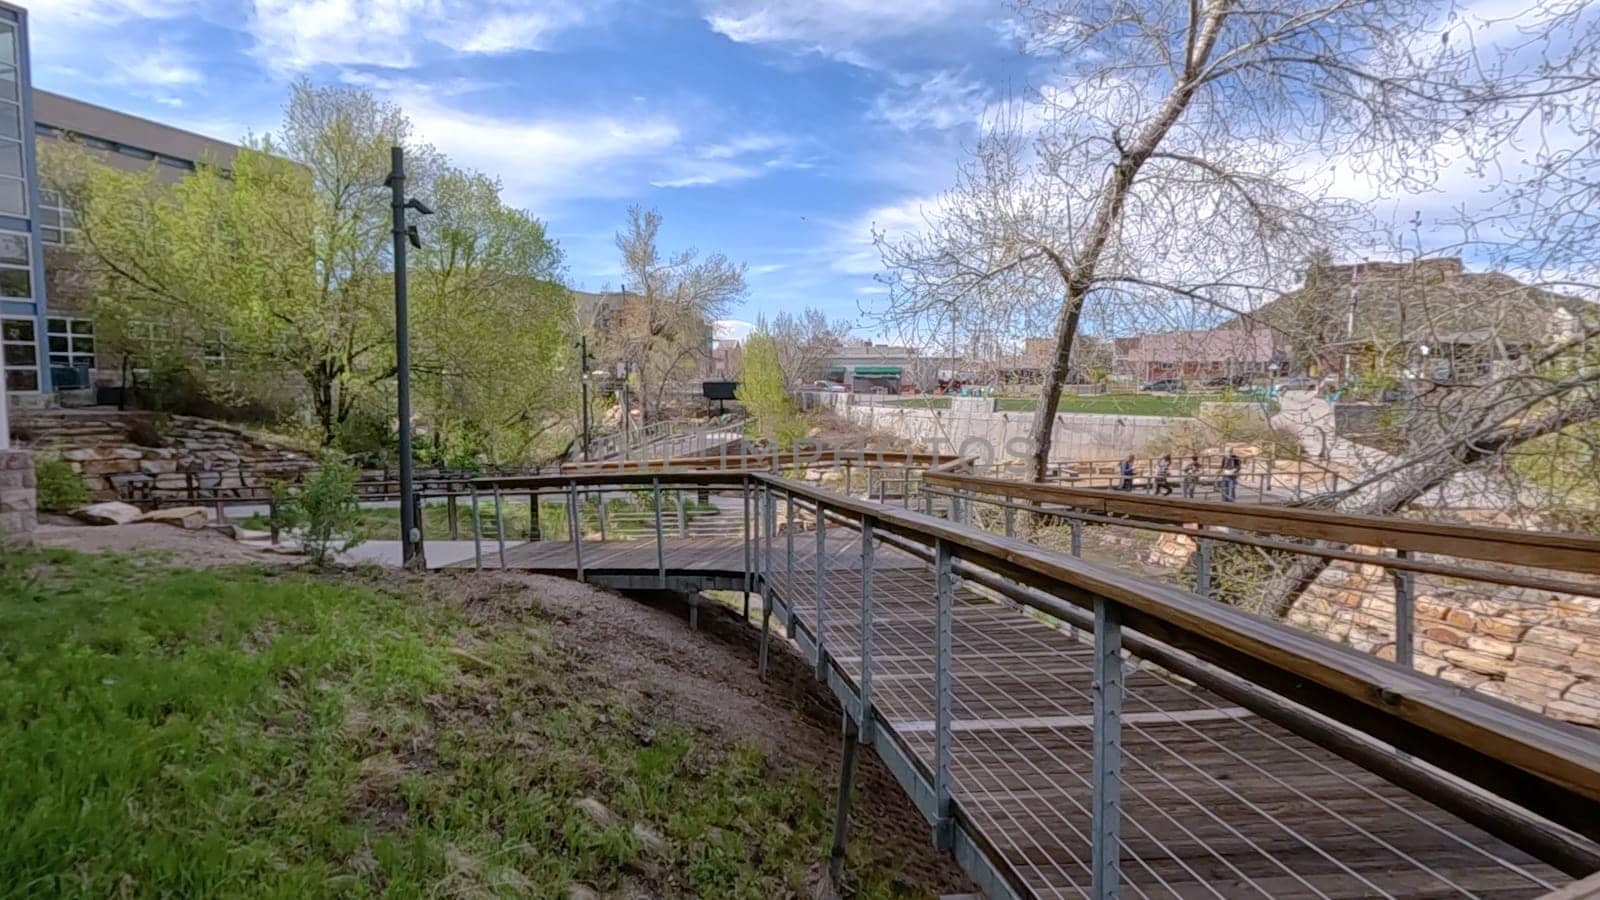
1163	474
1230	475
1191	475
1126	471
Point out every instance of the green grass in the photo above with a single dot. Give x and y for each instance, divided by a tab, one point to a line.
246	732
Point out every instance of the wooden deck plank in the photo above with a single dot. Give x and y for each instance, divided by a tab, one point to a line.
1217	802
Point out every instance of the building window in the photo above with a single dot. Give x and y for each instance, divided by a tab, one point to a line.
71	342
20	348
13	177
58	223
16	265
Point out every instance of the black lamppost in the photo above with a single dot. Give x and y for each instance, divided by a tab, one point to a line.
583	381
410	535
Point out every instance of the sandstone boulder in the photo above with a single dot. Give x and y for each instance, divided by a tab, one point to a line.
111	512
189	518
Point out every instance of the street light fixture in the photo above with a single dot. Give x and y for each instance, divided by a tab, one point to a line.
410	534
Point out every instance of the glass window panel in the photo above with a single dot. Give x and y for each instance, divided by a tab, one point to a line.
10	123
59	343
60	359
8	84
19	380
13	199
13	248
8	43
55	325
11	158
50	217
16	283
51	236
83	345
83	326
20	355
16	330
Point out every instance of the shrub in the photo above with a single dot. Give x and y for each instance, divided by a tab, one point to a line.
323	511
1221	424
59	487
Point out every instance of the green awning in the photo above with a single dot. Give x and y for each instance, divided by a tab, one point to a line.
877	370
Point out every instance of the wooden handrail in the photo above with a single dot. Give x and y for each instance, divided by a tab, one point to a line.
1545	766
1564	552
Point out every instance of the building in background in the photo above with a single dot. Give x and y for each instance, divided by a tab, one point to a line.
22	277
1230	352
129	143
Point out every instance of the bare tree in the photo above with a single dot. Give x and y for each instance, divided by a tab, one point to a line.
805	342
1177	151
664	325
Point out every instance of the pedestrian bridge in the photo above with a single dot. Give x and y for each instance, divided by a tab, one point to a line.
1071	729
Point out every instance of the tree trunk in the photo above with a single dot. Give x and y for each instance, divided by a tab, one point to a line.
1303	570
1044	418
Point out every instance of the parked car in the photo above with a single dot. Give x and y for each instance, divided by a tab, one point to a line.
1164	386
1297	383
832	387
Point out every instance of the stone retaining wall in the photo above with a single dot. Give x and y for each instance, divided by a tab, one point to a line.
1533	648
18	497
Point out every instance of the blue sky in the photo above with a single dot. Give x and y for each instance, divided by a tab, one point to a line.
775	132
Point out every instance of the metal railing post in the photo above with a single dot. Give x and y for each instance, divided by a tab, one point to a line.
1106	849
477	534
1202	567
1011	519
661	555
1075	528
766	575
535	527
788	573
822	593
576	520
868	523
749	550
499	526
683	515
944	613
1404	613
600	512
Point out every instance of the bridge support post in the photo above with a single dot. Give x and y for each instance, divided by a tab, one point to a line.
477	535
575	518
534	526
841	816
1404	614
661	555
1202	567
600	512
867	525
1011	520
822	594
944	613
454	515
1076	529
1106	848
499	526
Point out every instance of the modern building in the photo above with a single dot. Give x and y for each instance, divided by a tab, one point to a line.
22	276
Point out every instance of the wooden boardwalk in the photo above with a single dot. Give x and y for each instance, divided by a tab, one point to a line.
1217	802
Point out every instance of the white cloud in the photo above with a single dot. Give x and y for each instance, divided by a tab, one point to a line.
837	28
738	159
945	99
295	35
161	68
545	160
732	329
767	268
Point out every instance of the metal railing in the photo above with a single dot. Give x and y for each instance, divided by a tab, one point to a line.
1067	727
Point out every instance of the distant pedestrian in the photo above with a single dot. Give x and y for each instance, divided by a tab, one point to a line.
1230	476
1126	471
1163	474
1191	475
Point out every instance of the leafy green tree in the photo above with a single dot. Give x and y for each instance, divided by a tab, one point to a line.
765	395
284	260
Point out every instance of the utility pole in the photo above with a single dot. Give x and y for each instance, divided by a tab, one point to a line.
583	381
410	535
